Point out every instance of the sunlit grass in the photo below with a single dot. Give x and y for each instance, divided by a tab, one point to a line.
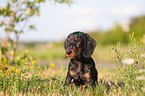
40	76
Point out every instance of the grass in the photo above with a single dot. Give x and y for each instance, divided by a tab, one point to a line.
56	51
31	80
50	81
43	78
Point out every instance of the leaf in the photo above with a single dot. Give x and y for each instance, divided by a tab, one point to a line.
37	1
6	29
14	1
21	31
43	0
1	23
28	12
25	2
3	49
36	12
12	29
32	27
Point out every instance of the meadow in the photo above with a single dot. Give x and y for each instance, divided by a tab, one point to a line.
42	70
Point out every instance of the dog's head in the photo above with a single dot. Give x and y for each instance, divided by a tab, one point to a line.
79	44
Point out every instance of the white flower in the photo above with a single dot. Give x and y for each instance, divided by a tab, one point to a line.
128	61
142	55
133	87
140	78
141	70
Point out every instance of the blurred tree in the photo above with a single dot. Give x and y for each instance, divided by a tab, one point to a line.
112	36
14	17
117	34
137	25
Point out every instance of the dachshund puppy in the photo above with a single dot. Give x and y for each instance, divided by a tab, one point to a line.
79	47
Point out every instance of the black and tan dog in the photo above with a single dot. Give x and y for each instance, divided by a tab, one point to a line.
79	47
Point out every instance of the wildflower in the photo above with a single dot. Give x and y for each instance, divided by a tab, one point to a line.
3	74
38	87
26	63
128	61
143	89
12	68
115	90
32	66
3	67
22	60
0	60
52	65
18	71
8	71
115	82
133	87
141	70
1	70
109	83
140	78
34	62
142	55
38	67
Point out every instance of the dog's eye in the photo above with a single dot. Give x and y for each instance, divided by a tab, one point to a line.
76	40
68	40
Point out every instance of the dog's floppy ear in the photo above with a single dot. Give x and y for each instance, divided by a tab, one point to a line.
65	42
89	46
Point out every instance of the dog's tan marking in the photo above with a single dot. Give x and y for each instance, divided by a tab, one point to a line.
87	75
72	73
75	53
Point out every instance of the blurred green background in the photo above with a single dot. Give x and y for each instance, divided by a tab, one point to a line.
54	51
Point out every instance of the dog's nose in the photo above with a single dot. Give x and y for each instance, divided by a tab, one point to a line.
68	52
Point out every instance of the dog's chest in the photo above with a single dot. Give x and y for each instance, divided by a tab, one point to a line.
78	69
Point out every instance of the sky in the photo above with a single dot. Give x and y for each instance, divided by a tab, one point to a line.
56	21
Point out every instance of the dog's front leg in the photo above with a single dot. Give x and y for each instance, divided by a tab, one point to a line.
68	79
89	81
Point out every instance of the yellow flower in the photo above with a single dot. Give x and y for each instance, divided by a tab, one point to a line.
26	63
22	60
52	65
18	71
0	60
3	67
38	67
3	74
1	70
12	68
34	62
8	71
32	66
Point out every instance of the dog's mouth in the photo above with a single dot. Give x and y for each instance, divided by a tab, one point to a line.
73	53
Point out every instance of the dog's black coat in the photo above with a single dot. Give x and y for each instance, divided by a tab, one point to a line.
79	47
